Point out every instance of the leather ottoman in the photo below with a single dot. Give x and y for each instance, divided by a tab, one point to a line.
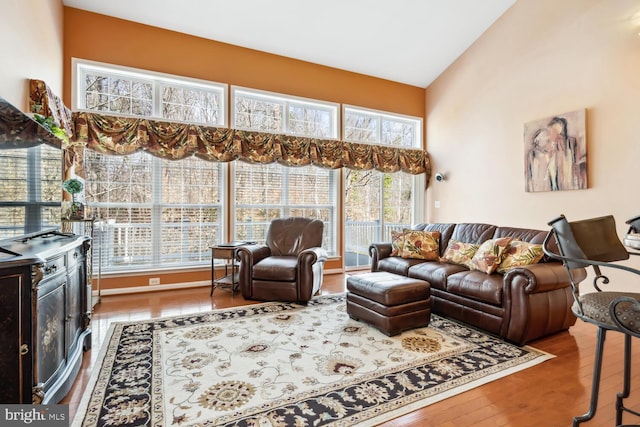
390	302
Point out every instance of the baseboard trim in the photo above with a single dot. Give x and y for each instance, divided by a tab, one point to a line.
167	287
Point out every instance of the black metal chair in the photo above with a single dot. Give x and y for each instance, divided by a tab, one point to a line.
594	243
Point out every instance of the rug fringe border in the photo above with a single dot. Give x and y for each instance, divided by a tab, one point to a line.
422	403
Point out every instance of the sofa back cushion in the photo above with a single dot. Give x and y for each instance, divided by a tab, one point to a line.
524	234
473	232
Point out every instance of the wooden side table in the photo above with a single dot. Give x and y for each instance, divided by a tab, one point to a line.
227	253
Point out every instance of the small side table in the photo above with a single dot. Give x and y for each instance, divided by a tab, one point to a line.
227	253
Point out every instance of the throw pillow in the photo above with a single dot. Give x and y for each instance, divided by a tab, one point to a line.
397	242
520	253
421	244
459	253
489	255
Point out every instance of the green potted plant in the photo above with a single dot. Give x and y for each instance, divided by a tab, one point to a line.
74	186
53	127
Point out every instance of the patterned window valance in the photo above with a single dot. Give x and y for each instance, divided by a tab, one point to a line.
126	135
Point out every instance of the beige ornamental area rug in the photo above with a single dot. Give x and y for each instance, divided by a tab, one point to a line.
283	364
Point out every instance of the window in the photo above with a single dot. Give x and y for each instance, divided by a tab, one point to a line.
378	203
30	193
126	91
264	192
157	213
269	112
376	127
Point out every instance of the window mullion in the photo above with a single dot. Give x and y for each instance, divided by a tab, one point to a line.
156	211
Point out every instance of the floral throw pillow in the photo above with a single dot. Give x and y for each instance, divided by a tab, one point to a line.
489	255
520	253
397	243
421	244
459	253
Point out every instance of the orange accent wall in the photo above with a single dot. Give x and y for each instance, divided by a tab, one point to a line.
101	38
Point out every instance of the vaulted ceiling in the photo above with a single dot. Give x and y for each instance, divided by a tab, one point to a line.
408	41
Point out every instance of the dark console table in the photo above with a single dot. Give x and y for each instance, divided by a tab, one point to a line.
45	311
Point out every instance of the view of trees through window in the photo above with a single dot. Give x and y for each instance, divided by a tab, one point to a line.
265	192
156	212
159	213
30	190
375	204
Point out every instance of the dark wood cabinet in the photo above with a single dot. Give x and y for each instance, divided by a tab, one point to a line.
45	313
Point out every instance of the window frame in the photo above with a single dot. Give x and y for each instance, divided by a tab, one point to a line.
380	115
331	235
157	79
286	101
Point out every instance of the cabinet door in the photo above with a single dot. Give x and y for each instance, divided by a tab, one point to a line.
51	348
76	303
15	337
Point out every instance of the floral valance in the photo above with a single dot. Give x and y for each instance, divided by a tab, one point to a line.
170	140
43	101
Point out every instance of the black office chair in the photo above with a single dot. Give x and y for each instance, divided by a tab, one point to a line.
594	243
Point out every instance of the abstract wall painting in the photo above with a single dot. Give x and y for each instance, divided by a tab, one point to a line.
556	153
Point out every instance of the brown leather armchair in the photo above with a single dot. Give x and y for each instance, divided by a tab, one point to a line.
289	266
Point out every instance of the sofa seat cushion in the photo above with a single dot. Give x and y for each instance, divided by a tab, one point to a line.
398	265
276	268
435	273
477	285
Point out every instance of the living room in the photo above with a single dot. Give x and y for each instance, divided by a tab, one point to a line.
539	59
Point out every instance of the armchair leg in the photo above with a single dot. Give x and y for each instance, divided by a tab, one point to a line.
595	385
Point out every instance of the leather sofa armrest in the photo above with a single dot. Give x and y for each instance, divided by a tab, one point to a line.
542	277
537	300
379	251
248	256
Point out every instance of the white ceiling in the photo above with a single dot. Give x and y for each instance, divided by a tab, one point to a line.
408	41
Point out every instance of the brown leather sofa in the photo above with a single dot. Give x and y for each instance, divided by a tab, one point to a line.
521	305
289	266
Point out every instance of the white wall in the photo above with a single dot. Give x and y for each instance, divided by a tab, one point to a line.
542	57
32	46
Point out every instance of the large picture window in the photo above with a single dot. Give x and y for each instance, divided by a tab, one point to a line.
157	213
154	213
267	191
377	203
162	214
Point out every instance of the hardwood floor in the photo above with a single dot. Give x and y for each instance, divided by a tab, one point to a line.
547	395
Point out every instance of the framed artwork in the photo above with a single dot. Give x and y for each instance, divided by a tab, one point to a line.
555	156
